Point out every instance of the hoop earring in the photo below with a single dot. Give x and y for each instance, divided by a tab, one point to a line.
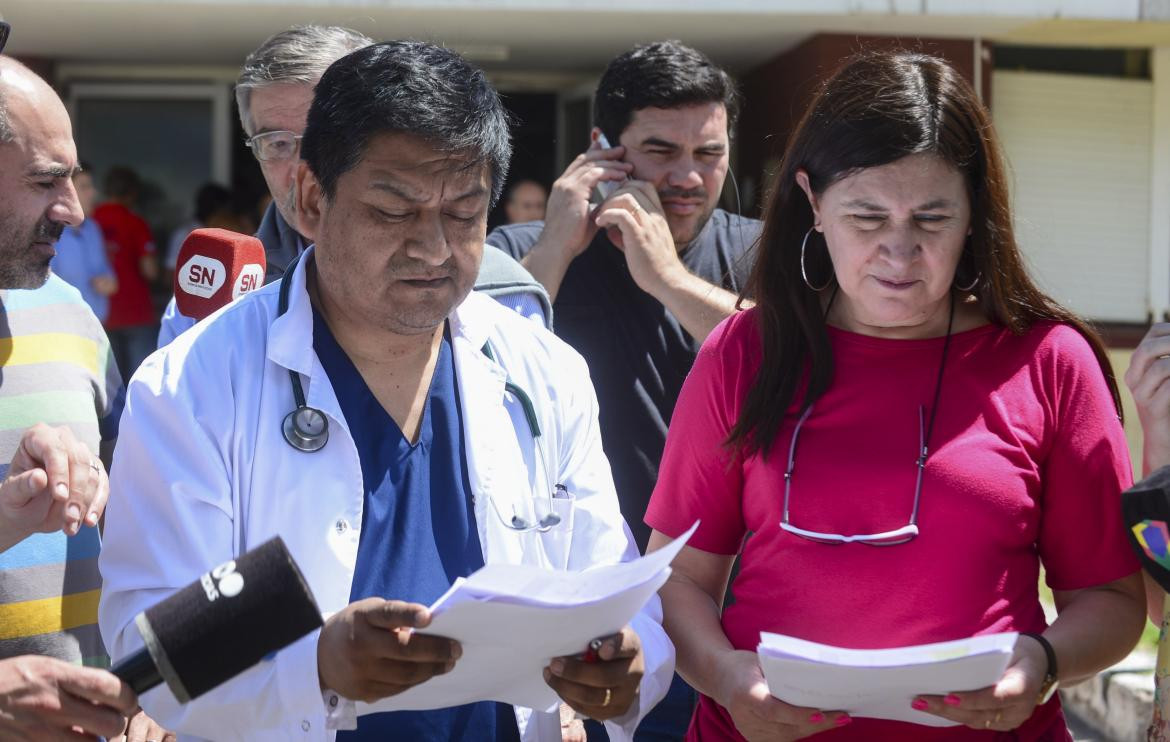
803	272
967	253
970	287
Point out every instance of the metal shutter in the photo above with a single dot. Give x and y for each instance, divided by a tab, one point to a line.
1079	151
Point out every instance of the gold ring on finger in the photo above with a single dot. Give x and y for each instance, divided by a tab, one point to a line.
608	696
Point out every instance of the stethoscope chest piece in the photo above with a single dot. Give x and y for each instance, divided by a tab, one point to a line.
306	429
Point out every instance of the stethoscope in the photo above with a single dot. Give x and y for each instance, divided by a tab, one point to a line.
307	429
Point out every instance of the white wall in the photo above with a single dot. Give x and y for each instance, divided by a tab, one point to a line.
1159	273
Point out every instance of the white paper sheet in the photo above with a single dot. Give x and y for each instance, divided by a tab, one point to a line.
880	683
512	620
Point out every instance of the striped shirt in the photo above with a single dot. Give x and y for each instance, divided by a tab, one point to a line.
55	368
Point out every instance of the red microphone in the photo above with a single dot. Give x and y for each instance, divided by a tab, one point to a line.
216	267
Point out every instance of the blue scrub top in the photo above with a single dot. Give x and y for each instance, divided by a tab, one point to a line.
418	526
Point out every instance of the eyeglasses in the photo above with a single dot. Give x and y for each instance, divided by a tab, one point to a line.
885	538
275	145
5	29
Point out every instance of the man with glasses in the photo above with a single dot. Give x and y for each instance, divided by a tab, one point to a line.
273	92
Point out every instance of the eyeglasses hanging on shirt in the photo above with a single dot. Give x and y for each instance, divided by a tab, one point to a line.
885	538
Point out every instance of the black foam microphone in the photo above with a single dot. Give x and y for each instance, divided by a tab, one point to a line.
222	624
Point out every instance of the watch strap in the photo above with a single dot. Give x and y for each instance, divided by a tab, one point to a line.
1050	678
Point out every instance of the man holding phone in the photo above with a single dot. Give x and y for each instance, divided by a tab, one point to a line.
639	280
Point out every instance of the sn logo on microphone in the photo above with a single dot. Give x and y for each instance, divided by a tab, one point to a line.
223	580
251	278
202	276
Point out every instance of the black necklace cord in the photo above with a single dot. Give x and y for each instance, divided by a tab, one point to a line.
938	382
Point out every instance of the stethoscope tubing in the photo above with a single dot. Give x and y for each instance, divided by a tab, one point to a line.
307	428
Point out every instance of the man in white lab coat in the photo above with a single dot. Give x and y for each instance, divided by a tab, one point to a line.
431	428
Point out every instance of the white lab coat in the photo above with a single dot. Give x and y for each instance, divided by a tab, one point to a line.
202	473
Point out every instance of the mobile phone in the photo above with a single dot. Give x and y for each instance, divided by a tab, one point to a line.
606	187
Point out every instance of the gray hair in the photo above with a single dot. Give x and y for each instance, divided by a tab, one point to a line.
299	55
6	132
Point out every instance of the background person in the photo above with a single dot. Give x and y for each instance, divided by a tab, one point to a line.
81	252
640	280
639	310
56	369
524	201
1147	377
215	206
895	318
130	246
273	93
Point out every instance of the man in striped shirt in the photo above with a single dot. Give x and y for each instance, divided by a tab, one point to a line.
60	396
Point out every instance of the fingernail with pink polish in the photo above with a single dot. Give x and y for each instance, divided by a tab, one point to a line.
816	718
952	700
918	704
843	720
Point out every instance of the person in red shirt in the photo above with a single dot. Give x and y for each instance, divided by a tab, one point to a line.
898	435
131	320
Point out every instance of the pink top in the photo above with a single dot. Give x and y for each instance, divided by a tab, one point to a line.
1027	459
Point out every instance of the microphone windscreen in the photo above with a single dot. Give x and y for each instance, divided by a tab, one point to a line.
1145	508
229	619
215	267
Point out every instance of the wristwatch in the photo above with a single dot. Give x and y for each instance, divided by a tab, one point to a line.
1050	684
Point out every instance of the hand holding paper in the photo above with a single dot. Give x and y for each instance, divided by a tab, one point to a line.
883	683
1003	706
757	714
510	621
370	650
602	686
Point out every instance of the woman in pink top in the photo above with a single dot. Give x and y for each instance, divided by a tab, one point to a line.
899	434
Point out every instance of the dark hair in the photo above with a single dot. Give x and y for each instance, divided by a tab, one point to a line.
665	74
878	108
411	87
122	182
210	198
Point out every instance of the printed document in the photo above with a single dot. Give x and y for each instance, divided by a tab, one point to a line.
880	683
513	619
